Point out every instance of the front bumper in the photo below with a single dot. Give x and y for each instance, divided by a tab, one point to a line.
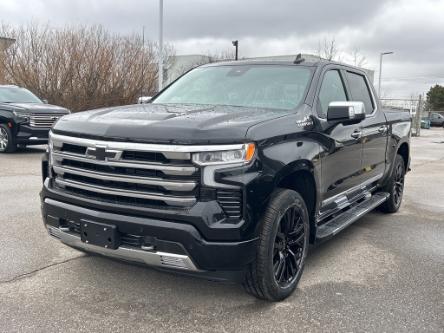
32	136
175	246
152	258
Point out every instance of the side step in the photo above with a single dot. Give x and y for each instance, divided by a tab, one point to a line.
343	220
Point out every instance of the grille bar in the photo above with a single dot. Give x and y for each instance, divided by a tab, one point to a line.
169	200
164	148
167	185
167	169
43	120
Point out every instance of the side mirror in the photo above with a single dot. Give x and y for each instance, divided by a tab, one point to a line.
144	99
45	101
346	112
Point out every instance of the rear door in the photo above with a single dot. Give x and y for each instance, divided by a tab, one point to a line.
373	128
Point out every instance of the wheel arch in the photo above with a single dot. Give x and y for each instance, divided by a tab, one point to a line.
404	151
300	177
3	119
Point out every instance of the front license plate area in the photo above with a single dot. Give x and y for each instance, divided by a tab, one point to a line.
99	234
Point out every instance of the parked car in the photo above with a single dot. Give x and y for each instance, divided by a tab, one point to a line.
425	122
436	119
229	173
24	118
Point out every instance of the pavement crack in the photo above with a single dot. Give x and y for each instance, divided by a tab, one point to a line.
31	273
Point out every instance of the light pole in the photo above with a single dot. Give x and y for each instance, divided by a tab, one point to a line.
380	71
236	45
160	56
143	58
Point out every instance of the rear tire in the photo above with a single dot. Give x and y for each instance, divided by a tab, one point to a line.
7	140
395	187
282	248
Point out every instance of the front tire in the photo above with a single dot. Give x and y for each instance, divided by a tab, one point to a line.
395	187
282	248
7	141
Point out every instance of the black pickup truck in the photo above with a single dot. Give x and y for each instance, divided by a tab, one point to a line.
229	172
24	118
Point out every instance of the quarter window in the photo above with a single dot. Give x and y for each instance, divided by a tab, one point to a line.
332	90
360	92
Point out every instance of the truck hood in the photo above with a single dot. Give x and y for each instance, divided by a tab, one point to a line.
167	123
33	108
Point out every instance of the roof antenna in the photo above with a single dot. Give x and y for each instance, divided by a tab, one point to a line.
298	59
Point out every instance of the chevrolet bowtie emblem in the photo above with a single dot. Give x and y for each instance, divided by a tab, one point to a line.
100	153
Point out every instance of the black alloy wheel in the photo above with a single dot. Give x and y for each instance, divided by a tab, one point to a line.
282	247
398	184
288	247
395	187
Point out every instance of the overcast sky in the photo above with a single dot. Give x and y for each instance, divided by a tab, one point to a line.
413	29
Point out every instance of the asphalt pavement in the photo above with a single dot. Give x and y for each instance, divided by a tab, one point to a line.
385	273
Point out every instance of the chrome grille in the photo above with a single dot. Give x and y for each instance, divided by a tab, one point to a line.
124	173
43	120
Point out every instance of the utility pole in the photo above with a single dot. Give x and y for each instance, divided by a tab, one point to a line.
418	116
143	65
380	71
236	45
160	56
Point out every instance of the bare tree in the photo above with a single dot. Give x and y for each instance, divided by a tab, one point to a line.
359	60
208	57
80	67
328	50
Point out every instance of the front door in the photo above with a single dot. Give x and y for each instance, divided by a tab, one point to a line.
341	161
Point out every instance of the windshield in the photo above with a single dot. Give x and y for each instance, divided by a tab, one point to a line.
17	95
263	86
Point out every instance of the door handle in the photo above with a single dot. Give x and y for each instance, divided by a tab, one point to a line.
382	129
356	134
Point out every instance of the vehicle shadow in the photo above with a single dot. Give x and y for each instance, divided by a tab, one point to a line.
187	291
31	149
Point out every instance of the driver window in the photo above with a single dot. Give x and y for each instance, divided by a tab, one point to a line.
332	90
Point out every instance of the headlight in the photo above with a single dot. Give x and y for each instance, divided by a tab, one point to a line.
22	116
242	155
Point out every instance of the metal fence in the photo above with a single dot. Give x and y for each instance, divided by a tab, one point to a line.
415	106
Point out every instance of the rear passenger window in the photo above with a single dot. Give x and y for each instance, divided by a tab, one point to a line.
359	91
332	90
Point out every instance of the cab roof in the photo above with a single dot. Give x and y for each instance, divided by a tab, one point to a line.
306	63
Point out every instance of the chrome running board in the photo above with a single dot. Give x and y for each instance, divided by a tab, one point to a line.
340	222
